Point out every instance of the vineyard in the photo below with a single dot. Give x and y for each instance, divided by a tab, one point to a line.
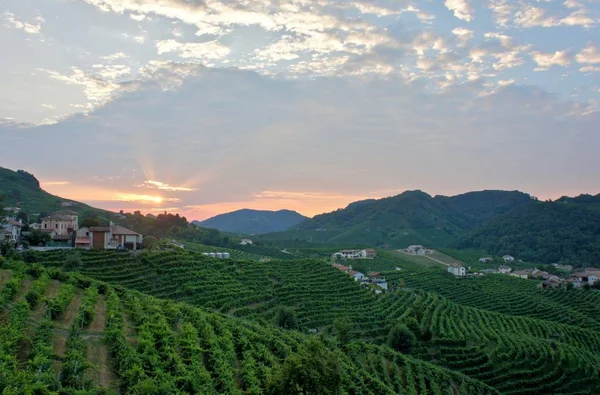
498	330
63	332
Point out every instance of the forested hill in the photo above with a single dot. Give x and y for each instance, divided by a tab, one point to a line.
248	221
566	230
23	189
413	217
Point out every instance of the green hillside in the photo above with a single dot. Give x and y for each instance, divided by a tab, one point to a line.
64	333
23	189
497	330
412	217
566	231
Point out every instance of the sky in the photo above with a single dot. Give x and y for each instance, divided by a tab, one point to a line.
207	106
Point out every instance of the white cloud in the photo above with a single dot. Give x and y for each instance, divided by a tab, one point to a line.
49	106
115	56
461	9
589	56
463	35
546	60
206	50
11	21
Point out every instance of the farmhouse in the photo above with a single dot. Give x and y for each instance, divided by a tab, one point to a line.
107	238
368	253
457	270
416	250
245	242
358	276
508	258
589	275
63	222
520	274
504	269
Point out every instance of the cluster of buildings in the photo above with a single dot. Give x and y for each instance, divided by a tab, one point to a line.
373	278
218	255
588	276
368	253
417	250
505	258
64	231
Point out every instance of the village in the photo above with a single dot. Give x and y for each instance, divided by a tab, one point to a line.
62	231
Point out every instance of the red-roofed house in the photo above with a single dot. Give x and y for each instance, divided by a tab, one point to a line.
107	238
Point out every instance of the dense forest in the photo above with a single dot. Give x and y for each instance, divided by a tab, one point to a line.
565	231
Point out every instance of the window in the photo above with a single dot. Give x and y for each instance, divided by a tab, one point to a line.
56	226
45	226
87	233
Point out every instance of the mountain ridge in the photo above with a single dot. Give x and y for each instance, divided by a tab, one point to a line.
250	221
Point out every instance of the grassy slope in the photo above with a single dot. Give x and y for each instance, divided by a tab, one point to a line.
490	328
116	340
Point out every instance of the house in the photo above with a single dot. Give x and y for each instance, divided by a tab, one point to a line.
589	275
551	282
12	231
508	258
245	242
485	259
370	253
107	238
342	268
358	276
374	274
520	274
35	226
416	250
457	270
63	222
504	269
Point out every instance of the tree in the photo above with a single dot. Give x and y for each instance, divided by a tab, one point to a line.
37	237
401	339
150	243
21	215
90	221
312	370
73	262
342	327
569	285
286	318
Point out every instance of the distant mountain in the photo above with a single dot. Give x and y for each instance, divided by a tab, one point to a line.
566	230
413	217
22	189
247	221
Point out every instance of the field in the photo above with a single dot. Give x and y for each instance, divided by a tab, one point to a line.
66	333
501	331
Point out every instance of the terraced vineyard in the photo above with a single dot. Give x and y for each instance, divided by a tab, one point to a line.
498	330
64	333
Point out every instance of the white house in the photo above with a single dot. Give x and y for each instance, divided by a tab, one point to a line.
416	250
358	276
35	226
457	270
508	258
12	230
504	269
246	242
485	259
356	254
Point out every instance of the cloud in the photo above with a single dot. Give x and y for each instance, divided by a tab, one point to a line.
163	186
49	106
463	35
546	60
115	56
207	50
461	9
589	55
11	21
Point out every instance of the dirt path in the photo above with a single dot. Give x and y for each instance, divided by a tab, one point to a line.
24	289
130	332
99	322
102	372
435	260
59	345
66	319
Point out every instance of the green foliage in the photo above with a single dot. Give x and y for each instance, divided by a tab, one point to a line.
401	339
149	243
313	370
286	318
73	262
342	328
37	237
37	290
57	305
